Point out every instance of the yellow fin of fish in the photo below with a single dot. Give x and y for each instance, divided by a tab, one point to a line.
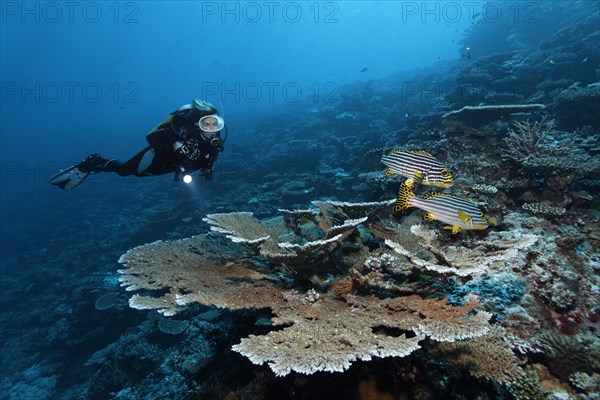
409	182
388	172
430	195
464	217
455	229
429	217
421	152
404	193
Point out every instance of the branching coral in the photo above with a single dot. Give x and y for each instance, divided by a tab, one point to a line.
544	209
538	146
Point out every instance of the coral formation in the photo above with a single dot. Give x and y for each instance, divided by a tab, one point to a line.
488	357
465	261
300	240
544	209
538	145
321	332
318	281
479	116
328	335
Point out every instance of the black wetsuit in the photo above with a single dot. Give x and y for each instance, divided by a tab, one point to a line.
175	143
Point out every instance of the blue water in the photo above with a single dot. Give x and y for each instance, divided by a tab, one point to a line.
86	77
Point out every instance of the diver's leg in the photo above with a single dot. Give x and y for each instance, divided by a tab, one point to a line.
96	163
72	177
144	163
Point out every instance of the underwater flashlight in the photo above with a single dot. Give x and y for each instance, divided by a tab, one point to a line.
183	175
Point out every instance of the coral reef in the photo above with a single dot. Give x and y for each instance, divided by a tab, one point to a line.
464	261
300	240
538	145
328	334
323	269
321	332
544	209
489	357
479	116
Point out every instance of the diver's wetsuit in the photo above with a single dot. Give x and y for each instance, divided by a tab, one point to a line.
175	143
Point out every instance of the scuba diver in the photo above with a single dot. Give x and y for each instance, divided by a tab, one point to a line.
188	140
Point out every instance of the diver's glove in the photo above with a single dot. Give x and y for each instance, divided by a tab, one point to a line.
208	174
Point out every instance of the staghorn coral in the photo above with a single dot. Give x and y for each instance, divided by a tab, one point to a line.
539	146
463	261
321	332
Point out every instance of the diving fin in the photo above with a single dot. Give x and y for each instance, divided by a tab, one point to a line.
69	179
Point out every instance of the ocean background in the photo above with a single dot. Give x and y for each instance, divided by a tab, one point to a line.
313	93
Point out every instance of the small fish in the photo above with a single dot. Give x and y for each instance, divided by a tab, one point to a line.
552	62
355	237
582	194
585	60
418	167
457	212
365	69
303	220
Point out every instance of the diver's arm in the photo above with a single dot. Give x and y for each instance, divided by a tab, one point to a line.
207	171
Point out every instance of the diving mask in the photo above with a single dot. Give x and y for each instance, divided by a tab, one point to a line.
211	123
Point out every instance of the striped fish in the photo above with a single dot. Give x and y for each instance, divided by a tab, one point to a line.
418	167
457	212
